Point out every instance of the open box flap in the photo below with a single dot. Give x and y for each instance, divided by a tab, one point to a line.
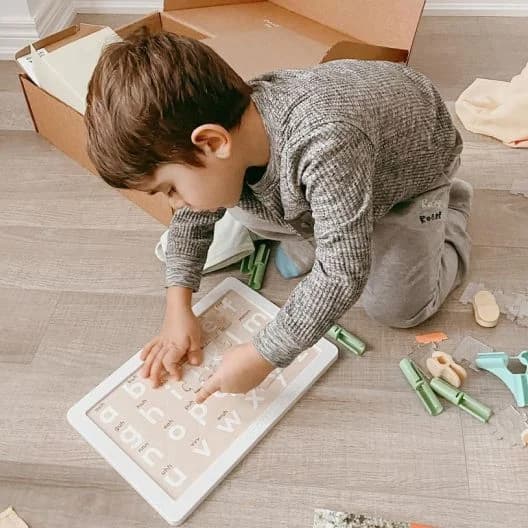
152	22
170	5
58	40
389	23
216	21
267	53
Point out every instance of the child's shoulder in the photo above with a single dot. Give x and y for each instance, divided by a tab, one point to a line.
312	97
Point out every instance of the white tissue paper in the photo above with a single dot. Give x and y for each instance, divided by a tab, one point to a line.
231	243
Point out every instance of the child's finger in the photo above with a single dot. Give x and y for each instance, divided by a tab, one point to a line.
208	389
155	369
145	371
146	349
195	353
171	362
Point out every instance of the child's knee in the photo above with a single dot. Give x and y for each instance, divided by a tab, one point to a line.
394	313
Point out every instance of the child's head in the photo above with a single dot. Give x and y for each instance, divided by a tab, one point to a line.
162	114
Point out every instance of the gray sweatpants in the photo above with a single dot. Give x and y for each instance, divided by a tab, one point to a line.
420	253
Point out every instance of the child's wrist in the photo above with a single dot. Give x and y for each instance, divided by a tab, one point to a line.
179	298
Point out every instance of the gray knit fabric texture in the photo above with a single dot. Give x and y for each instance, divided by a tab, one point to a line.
349	139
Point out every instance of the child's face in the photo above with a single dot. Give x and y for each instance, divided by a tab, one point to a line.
215	185
206	188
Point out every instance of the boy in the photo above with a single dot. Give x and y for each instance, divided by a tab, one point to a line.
350	164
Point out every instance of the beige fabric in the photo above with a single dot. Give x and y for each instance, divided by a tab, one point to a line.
9	519
497	108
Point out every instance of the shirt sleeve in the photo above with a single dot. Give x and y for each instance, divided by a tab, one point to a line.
337	163
190	235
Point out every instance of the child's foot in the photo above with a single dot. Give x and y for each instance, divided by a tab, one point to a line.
461	196
294	258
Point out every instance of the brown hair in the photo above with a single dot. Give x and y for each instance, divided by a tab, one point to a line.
146	96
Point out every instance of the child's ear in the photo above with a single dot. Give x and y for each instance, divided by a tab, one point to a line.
213	139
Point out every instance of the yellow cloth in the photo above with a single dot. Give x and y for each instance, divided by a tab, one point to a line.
9	519
497	108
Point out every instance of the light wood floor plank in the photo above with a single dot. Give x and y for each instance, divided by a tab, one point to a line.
499	219
25	315
80	498
453	51
78	259
14	115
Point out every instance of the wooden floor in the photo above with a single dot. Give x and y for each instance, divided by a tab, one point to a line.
81	290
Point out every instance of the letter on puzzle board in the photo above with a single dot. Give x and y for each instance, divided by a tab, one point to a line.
164	431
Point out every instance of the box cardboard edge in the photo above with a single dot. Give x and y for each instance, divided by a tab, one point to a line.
416	31
21	78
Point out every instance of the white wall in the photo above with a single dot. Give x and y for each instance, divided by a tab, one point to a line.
17	27
35	5
14	9
51	15
23	21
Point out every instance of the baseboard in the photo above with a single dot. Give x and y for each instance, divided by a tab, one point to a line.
118	7
15	33
510	9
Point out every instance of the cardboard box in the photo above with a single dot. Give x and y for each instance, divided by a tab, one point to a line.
254	37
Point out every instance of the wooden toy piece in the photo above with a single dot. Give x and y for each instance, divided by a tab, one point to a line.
441	365
524	437
486	309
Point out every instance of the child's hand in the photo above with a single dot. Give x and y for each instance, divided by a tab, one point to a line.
242	369
180	335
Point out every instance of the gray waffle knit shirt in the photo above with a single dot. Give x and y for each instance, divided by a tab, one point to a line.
349	139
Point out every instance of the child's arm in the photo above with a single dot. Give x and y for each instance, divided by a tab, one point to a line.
338	162
337	182
190	235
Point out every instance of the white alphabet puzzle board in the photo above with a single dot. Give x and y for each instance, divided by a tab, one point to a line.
172	450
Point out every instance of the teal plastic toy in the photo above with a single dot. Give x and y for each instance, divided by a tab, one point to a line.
497	364
285	265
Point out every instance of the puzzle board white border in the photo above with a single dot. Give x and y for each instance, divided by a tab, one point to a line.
175	511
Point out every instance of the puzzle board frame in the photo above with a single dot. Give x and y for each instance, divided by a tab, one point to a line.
176	510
